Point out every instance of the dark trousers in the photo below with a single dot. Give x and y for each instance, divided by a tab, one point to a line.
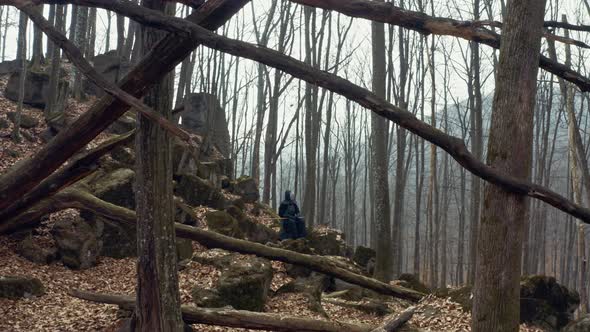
292	228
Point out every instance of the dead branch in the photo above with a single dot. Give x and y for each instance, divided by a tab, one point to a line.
453	145
233	318
170	51
397	322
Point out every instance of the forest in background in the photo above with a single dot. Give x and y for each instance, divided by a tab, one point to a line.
292	135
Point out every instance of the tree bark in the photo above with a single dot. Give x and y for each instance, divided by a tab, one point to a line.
158	295
496	302
384	260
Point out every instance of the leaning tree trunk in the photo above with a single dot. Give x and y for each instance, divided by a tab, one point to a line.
158	296
497	281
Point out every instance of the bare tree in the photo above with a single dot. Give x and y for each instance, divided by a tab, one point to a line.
384	260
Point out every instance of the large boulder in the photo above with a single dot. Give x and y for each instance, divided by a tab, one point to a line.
461	295
203	115
545	303
207	297
196	191
26	121
245	187
223	223
111	66
580	325
9	67
77	242
244	281
36	88
329	242
14	287
119	240
412	281
252	230
363	255
35	253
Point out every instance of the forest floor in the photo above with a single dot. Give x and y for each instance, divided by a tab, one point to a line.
57	311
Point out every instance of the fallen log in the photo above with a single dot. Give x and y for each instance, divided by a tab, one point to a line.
234	318
370	307
397	322
451	144
170	51
81	199
79	168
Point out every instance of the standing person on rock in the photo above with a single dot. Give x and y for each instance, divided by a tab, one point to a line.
292	224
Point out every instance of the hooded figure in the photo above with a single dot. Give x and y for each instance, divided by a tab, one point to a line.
292	225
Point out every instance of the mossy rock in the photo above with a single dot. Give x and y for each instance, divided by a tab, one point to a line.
461	296
26	121
196	191
4	123
362	255
77	242
33	252
329	243
207	297
14	287
247	188
184	249
124	155
412	281
245	284
223	223
580	325
252	231
545	303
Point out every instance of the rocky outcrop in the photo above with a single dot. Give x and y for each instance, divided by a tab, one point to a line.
202	115
196	191
33	252
118	239
223	223
77	242
26	121
251	230
9	67
545	303
36	88
246	188
329	242
110	66
14	287
244	281
580	325
412	281
363	255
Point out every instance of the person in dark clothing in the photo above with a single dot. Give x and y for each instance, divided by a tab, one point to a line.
292	225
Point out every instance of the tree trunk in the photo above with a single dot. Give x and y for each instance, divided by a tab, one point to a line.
158	295
384	261
22	59
497	285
